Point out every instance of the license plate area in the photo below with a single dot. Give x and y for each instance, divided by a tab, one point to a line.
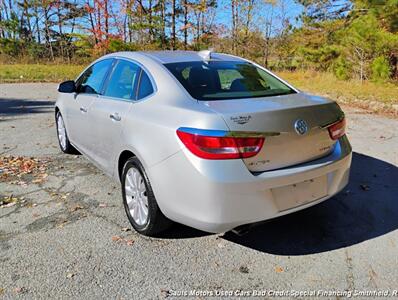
290	196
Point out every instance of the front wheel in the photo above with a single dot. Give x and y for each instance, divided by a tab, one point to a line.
63	139
139	201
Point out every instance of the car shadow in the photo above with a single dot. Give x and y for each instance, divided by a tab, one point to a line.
365	209
179	231
15	107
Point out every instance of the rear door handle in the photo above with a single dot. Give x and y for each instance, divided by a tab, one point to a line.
115	117
83	109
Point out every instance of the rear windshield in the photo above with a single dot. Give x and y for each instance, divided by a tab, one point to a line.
220	80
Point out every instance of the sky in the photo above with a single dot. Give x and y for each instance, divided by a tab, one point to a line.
292	10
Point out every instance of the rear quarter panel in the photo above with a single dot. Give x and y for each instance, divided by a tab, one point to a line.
149	130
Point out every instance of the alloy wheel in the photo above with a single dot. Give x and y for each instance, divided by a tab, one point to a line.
136	196
61	131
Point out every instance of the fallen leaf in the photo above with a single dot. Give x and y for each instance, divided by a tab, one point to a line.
76	207
9	204
26	166
13	167
61	224
165	292
116	238
129	242
19	290
278	270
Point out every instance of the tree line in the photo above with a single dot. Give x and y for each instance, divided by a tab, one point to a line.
353	39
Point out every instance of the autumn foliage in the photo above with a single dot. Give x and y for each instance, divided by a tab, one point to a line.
355	39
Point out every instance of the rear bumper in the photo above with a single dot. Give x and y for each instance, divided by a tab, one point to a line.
219	195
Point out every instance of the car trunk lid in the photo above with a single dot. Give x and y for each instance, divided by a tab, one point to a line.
275	117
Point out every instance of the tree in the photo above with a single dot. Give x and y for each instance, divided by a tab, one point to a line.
364	40
173	23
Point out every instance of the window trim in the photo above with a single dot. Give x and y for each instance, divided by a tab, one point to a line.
138	85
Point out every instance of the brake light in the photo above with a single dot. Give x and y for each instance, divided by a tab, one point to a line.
337	130
214	144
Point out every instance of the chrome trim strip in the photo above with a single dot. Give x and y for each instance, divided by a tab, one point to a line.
225	133
116	99
206	132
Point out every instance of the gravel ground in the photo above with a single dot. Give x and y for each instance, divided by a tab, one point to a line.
65	236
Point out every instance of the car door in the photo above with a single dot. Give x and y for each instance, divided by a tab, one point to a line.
88	87
110	109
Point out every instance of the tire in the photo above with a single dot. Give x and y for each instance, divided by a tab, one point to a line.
62	135
138	198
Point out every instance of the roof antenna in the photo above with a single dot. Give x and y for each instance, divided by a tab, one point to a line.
206	54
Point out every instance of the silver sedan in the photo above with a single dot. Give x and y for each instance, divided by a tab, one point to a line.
209	140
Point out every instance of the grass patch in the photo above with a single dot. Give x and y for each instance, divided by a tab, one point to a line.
38	72
345	91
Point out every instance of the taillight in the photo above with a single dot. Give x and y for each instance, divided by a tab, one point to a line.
214	144
337	130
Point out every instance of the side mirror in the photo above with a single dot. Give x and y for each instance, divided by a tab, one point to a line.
67	87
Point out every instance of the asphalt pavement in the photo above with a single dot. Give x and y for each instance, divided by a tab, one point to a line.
64	233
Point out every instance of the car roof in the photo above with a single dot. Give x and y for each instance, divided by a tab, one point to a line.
170	56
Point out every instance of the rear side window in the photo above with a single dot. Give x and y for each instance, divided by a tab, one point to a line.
90	82
222	80
123	81
146	87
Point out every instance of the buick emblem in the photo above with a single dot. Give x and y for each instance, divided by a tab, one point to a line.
301	127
